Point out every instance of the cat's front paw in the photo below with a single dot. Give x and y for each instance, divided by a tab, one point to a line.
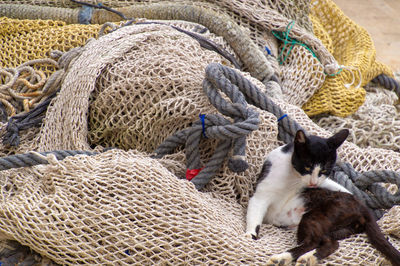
280	259
251	236
307	259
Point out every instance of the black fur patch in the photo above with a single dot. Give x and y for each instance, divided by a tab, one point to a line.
287	148
257	230
264	171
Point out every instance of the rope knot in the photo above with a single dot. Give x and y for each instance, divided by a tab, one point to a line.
238	164
11	137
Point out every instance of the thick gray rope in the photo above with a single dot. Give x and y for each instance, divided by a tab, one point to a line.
388	83
241	91
190	137
217	127
363	185
366	186
32	159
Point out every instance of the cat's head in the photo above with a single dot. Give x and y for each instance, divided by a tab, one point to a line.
314	157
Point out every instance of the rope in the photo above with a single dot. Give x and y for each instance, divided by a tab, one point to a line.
85	16
388	83
34	117
23	86
32	159
25	121
240	90
216	127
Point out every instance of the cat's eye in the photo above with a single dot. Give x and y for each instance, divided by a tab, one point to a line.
307	168
324	172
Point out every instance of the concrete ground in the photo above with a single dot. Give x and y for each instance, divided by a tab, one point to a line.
381	18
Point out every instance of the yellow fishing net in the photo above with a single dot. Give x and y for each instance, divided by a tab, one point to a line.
352	47
25	40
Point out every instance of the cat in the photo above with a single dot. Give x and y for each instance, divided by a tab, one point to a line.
305	162
331	216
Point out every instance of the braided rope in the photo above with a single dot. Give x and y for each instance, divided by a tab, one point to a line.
230	134
241	91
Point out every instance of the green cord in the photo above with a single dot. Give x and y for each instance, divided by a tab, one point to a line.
284	36
337	73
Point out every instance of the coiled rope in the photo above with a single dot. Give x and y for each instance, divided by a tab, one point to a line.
241	91
364	186
24	86
50	88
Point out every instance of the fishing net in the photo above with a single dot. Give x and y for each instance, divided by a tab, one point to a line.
26	40
352	47
255	18
123	207
344	49
133	88
26	66
375	124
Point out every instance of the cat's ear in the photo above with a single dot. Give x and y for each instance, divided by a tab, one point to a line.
336	140
300	137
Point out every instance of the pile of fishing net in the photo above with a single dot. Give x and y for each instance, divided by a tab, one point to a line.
133	88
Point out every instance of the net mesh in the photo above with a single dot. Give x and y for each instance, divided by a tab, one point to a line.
352	47
26	40
133	88
375	124
73	212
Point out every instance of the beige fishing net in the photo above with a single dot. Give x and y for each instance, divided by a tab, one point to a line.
131	89
375	124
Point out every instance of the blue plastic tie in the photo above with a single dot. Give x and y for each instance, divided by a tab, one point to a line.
268	50
202	117
282	117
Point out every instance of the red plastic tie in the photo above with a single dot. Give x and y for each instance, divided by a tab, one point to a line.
191	173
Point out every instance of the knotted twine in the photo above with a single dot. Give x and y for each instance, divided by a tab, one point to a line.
365	186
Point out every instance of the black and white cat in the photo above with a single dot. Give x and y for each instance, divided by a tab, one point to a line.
287	170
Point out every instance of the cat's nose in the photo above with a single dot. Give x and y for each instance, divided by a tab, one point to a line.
311	184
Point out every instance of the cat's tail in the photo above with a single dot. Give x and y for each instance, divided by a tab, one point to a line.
379	241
